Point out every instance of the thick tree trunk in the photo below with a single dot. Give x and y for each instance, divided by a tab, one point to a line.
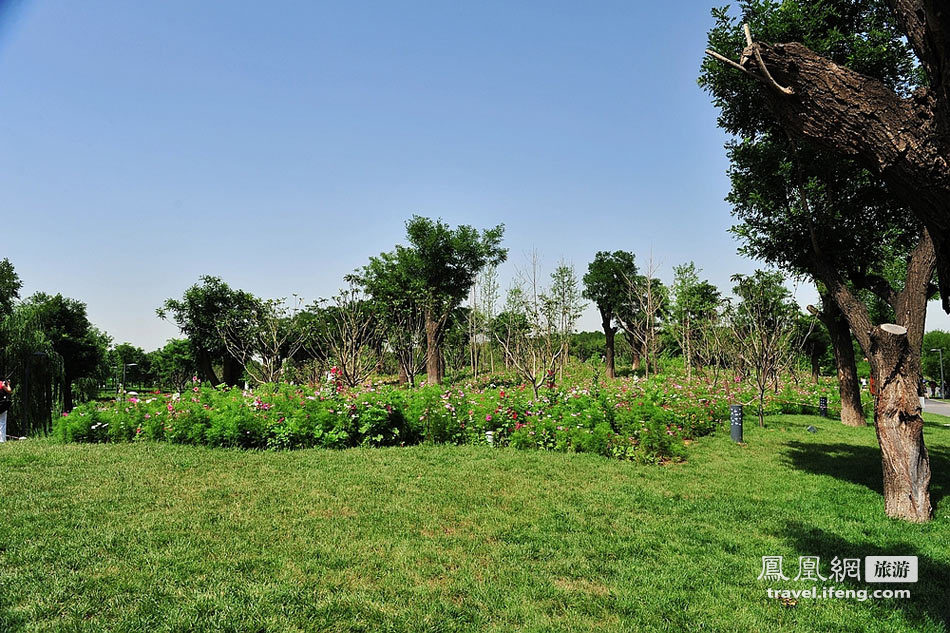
433	353
609	332
206	368
230	371
899	425
849	387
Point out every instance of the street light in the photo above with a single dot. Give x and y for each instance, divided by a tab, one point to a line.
942	383
123	373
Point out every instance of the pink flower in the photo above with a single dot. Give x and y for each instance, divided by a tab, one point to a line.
488	418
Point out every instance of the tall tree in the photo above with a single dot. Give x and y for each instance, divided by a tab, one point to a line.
605	283
842	345
198	313
445	262
860	229
826	107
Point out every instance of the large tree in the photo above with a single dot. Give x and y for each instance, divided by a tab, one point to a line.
198	314
444	262
819	105
606	283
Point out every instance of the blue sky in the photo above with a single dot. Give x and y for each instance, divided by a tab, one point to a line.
279	145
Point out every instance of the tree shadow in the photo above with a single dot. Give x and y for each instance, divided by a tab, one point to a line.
861	465
928	597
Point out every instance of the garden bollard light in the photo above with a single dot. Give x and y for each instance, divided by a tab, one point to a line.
735	417
490	437
823	407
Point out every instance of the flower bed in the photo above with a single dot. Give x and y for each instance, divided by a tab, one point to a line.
645	421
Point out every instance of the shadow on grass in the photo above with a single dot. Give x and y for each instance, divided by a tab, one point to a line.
862	464
928	597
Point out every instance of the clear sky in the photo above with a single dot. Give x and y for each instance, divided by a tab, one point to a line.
279	145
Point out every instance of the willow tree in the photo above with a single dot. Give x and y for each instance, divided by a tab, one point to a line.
29	362
846	91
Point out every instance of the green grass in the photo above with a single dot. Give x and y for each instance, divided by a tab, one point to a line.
157	537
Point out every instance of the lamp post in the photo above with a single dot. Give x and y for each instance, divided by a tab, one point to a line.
942	383
123	373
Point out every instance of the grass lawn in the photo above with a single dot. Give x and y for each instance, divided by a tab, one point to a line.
156	537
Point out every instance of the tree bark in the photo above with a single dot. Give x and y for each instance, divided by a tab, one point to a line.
906	141
849	387
634	352
609	332
899	425
433	353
